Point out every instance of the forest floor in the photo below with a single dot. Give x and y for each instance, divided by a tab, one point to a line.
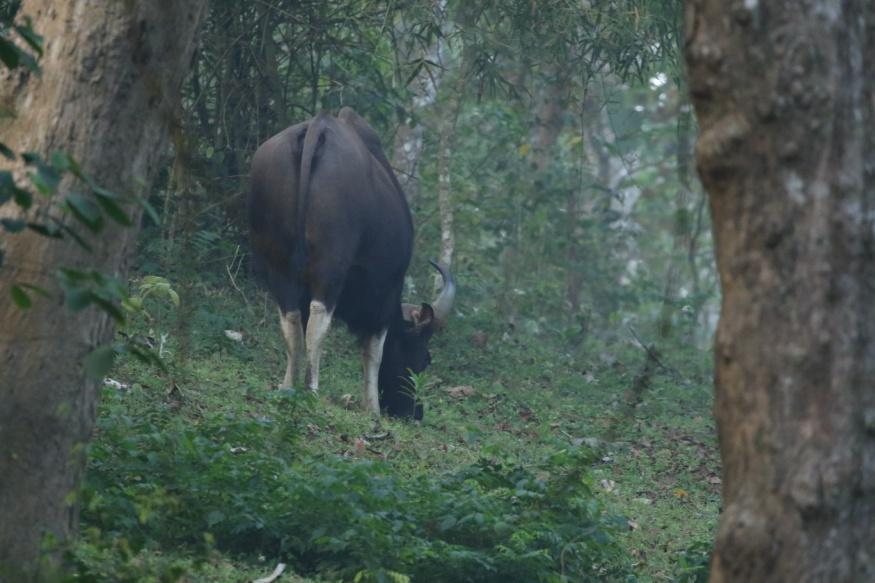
491	393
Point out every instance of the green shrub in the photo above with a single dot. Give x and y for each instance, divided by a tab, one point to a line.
157	480
694	563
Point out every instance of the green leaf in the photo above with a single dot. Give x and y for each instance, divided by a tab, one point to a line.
150	210
9	53
20	297
30	36
51	231
7	186
78	299
447	522
73	166
5	151
13	225
23	198
69	277
85	211
215	517
133	304
150	280
110	308
46	179
145	354
110	207
61	161
76	237
35	288
99	361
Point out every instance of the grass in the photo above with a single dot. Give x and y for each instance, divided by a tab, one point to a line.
654	463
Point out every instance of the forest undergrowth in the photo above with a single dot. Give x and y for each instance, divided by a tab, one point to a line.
537	460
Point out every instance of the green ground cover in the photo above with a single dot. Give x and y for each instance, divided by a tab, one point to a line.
534	461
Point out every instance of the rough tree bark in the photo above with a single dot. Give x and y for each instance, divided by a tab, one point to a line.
110	76
783	94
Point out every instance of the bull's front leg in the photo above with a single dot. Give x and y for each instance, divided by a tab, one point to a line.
293	334
372	356
317	329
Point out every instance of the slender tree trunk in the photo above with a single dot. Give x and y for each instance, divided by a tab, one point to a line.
783	94
682	229
405	156
274	97
409	137
111	75
448	113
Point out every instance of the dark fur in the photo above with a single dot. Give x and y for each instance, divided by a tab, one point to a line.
329	221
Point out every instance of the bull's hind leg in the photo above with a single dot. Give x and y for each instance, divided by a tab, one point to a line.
372	356
287	294
317	329
293	334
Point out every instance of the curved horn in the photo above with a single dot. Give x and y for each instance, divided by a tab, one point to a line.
443	304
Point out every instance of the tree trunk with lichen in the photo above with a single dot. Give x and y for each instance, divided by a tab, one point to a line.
110	79
682	230
448	114
783	92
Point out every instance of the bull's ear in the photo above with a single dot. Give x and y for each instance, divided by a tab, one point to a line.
411	312
423	318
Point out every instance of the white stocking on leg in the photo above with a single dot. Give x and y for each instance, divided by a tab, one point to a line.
317	329
372	356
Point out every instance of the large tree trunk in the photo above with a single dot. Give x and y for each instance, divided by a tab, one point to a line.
111	74
783	94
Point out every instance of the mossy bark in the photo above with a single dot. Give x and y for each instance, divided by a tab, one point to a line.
110	80
783	95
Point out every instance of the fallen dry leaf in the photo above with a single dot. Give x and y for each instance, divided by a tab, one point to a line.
234	335
108	382
460	392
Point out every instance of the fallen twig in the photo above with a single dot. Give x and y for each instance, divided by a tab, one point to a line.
653	354
232	276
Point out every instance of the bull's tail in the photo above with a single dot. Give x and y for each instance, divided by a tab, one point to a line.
314	138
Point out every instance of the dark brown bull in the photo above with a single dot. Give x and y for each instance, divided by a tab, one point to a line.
332	237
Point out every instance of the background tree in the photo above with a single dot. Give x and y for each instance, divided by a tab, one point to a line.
106	96
784	96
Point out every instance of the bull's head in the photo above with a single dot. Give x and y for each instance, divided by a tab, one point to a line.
407	350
